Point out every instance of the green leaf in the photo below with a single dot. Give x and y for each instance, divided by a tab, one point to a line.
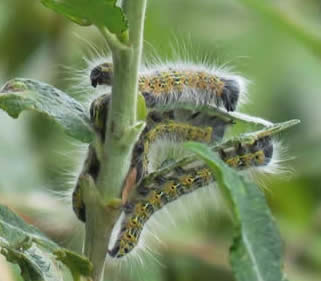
141	108
256	253
20	244
34	262
36	254
102	13
20	94
78	265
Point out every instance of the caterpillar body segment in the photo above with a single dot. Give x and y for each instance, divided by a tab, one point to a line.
98	114
180	181
245	156
91	167
181	84
178	132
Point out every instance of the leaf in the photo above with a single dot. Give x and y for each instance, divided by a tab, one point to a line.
141	108
34	262
85	12
36	254
13	230
20	244
20	94
256	253
78	265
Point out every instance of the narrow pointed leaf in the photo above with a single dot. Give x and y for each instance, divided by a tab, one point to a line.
257	252
102	13
20	94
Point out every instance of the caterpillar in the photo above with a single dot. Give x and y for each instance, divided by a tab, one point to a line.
183	83
179	131
181	181
190	125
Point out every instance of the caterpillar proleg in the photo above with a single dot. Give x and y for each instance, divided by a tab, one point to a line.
176	183
181	83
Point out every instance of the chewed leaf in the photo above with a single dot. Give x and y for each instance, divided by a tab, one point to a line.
35	263
20	94
78	265
102	13
256	253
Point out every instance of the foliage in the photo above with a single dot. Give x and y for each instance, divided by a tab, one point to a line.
36	255
256	253
103	13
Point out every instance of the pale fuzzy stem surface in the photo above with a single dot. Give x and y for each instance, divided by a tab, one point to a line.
122	132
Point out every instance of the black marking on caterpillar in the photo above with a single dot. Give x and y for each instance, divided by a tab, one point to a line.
177	183
179	84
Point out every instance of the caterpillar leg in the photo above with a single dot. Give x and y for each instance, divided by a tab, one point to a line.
178	182
191	84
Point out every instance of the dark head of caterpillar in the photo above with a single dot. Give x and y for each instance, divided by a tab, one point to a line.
230	94
102	74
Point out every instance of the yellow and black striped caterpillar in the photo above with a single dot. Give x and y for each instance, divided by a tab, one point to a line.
165	189
181	83
175	125
169	129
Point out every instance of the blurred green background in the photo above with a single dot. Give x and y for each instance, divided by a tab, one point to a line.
37	161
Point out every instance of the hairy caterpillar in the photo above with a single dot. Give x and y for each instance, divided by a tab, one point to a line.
179	131
190	125
182	83
179	182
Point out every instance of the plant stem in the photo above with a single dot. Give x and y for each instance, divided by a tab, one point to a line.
122	127
102	200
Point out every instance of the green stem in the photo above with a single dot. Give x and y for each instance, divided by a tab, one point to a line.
123	130
276	17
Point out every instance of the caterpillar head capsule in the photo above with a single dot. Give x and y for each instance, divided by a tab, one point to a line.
102	75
